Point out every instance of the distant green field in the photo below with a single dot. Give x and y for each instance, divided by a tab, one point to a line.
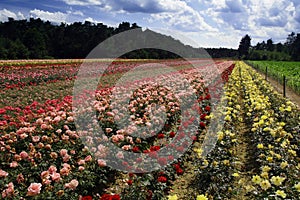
278	69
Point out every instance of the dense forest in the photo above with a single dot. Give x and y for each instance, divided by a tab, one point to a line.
287	51
34	38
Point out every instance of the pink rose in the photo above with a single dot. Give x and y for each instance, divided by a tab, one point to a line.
24	155
63	152
20	178
59	131
57	119
44	126
39	121
70	119
101	163
3	173
66	158
13	164
34	189
72	185
35	138
52	169
9	192
81	168
55	177
120	155
88	158
81	162
126	147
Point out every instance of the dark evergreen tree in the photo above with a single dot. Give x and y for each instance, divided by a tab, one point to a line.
244	46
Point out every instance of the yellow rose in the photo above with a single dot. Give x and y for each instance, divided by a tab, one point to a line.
264	175
277	180
265	185
260	146
235	175
202	197
281	193
256	179
297	187
172	197
284	164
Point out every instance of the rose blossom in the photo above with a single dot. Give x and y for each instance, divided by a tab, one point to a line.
52	169
34	189
81	162
63	152
9	192
66	158
101	163
88	158
55	177
3	173
44	126
64	171
35	138
126	147
20	178
13	164
81	168
24	155
120	155
72	185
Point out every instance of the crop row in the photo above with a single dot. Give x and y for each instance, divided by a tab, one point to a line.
276	70
43	155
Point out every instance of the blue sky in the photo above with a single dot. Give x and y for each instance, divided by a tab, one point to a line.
200	23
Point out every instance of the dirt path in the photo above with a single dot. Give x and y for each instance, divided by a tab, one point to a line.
290	94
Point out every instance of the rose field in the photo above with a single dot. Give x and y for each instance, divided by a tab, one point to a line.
145	129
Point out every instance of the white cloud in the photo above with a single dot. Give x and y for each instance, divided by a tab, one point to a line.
4	14
51	16
83	2
180	15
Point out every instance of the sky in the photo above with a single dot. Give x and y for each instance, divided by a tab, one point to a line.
199	23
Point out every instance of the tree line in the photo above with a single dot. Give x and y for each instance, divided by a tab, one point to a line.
35	38
268	50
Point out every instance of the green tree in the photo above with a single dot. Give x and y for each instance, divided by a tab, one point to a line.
270	45
244	46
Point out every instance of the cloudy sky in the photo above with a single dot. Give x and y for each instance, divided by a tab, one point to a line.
205	23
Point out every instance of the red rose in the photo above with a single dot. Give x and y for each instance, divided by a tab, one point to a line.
207	108
176	166
115	197
208	97
87	198
129	182
202	117
154	148
172	134
202	124
135	149
162	179
160	136
179	171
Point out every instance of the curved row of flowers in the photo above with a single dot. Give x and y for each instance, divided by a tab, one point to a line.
43	157
274	123
270	138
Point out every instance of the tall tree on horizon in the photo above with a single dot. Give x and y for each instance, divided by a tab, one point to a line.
244	46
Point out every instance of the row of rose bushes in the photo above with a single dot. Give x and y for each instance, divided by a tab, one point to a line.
21	74
274	123
270	136
43	156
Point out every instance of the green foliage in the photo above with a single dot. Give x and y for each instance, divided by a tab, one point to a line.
278	69
244	47
268	55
